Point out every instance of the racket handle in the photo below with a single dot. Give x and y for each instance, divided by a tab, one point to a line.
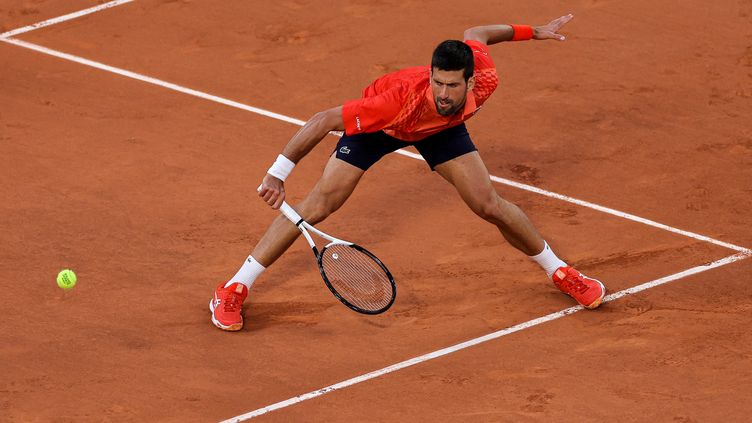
290	213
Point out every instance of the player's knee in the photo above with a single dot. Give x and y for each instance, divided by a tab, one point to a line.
487	209
318	212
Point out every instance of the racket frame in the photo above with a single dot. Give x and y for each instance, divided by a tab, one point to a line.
304	227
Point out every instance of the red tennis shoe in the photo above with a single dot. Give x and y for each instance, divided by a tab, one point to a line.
587	291
226	306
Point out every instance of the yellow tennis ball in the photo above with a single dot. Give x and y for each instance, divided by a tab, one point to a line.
66	279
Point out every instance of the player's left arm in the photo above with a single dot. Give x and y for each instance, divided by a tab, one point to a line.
492	34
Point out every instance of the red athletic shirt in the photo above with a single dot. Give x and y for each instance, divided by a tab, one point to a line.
402	105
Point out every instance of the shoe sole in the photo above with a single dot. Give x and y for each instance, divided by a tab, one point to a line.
232	328
597	302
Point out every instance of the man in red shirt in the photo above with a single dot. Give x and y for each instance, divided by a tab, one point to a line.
424	107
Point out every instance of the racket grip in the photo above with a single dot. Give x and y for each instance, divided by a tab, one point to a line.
290	213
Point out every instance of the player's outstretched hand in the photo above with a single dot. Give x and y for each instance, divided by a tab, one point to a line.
272	191
551	31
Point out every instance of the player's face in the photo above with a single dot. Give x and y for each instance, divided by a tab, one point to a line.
449	90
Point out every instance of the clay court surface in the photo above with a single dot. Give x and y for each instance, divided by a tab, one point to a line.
149	194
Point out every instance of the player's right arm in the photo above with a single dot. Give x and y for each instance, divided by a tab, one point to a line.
272	188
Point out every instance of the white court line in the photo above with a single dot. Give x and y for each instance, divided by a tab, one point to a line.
299	122
151	80
603	209
482	339
620	214
63	18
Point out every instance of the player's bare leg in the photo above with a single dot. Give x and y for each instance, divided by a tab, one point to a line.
470	177
329	194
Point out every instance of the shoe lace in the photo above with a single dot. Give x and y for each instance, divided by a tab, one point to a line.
576	283
231	302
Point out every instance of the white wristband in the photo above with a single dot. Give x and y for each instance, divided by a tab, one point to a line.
281	168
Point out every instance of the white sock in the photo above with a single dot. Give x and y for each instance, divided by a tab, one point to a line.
249	271
548	260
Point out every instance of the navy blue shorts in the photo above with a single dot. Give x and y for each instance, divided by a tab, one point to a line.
363	150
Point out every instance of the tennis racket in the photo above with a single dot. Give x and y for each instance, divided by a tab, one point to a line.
355	276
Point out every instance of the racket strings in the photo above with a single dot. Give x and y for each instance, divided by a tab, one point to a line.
357	277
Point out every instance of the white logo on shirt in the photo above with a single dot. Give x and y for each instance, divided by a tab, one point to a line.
344	150
357	122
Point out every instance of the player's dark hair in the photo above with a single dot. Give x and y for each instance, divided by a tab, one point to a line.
454	55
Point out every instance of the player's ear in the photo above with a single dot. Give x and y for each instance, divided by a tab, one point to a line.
471	83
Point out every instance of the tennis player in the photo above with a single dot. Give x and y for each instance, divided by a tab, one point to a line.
425	107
